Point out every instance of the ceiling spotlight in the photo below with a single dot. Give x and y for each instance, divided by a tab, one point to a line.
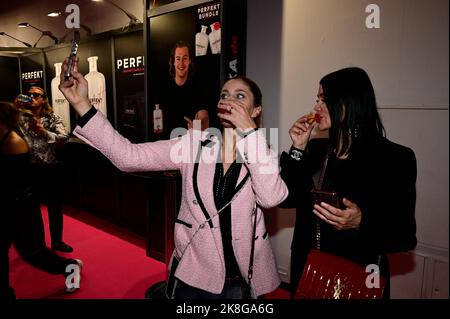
47	33
24	43
54	14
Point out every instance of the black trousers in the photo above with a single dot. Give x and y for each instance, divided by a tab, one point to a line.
47	188
21	224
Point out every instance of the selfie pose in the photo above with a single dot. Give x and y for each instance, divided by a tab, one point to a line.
221	240
367	205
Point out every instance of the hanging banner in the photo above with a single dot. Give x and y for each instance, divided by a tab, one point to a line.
184	77
130	91
32	72
208	36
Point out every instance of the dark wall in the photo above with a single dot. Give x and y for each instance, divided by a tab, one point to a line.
10	87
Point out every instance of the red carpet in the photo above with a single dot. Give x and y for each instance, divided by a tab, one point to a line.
115	264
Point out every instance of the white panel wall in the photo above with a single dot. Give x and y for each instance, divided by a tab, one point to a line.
427	133
293	43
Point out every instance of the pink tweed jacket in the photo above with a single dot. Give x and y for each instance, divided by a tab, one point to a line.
201	257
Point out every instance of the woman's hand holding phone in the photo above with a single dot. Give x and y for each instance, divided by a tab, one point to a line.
75	88
342	219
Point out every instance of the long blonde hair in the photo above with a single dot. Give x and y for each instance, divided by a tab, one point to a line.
47	110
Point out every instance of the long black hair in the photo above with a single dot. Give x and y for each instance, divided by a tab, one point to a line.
350	99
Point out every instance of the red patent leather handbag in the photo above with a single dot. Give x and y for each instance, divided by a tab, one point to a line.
328	276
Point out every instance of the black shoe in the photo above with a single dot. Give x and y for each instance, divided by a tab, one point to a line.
61	246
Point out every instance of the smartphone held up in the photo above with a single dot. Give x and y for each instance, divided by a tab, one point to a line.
73	54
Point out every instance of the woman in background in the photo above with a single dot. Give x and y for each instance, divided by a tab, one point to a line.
374	179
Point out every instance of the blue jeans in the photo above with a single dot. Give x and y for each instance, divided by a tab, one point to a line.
233	289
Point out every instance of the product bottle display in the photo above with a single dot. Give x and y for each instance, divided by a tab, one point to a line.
59	103
215	37
97	86
201	42
157	119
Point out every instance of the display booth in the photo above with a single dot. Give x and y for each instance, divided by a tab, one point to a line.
113	64
125	72
215	33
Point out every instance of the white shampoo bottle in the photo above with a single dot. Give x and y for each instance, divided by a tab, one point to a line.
59	103
97	86
157	119
201	42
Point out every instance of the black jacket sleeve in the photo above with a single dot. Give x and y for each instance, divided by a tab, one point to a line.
388	203
297	174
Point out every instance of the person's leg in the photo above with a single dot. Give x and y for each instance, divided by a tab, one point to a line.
55	216
6	292
50	193
236	288
52	263
185	291
29	240
54	204
45	259
233	289
296	270
6	235
386	273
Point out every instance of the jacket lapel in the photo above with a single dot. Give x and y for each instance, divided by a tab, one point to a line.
203	179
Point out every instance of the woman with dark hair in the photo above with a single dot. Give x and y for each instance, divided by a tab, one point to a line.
20	218
220	236
373	177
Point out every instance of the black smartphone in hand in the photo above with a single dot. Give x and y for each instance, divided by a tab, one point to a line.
73	54
331	198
